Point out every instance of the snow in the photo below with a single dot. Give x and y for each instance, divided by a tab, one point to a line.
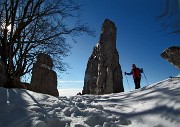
156	105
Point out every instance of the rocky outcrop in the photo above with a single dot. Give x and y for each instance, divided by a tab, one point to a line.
3	77
44	79
172	54
103	74
14	83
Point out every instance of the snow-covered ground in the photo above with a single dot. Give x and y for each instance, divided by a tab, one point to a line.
156	105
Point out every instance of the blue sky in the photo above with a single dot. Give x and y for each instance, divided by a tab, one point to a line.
140	40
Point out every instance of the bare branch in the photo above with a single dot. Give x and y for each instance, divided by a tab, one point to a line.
37	26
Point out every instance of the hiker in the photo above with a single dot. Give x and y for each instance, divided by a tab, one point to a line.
136	72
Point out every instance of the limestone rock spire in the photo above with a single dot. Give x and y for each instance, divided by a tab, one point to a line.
103	73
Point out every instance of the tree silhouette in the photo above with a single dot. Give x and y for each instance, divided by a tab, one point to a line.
30	27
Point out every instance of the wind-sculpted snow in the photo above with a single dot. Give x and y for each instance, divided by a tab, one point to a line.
156	105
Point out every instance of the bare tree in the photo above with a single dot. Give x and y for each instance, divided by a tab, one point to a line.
30	27
170	17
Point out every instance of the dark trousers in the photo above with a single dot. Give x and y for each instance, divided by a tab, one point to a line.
137	83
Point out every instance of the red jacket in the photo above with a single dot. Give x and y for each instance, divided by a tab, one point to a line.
136	72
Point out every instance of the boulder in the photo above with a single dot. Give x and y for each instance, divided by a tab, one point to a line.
44	79
44	59
11	82
172	54
14	83
103	74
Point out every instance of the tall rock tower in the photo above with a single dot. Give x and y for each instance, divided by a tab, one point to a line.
103	73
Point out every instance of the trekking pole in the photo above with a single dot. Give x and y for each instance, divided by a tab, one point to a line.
127	82
145	78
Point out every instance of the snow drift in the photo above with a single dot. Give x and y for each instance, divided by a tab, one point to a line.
156	105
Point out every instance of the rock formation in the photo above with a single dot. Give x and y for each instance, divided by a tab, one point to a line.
44	79
9	82
172	54
13	82
103	73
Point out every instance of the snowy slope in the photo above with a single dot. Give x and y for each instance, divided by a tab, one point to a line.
157	105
